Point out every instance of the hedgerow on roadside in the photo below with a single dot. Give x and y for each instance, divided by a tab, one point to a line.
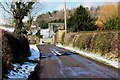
103	42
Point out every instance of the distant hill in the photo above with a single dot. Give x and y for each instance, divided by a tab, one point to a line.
58	16
55	15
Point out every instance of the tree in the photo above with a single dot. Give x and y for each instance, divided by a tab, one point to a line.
81	21
18	11
50	17
113	23
37	7
70	23
57	21
107	11
43	24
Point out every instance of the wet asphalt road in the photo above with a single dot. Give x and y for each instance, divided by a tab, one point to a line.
60	63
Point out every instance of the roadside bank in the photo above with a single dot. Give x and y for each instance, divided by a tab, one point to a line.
96	57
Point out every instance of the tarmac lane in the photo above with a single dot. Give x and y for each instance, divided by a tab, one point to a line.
60	63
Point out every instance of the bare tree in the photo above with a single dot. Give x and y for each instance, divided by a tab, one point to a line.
33	14
18	10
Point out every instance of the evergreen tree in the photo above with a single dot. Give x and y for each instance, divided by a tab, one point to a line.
43	24
81	21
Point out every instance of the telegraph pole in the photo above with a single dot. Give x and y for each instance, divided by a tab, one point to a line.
65	17
119	9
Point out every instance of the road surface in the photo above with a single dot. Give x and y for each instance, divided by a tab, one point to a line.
60	63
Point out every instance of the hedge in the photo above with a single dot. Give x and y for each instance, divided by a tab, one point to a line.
14	49
104	43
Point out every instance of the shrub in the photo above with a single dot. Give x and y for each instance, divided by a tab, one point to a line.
62	38
69	38
113	23
88	41
7	57
102	42
14	49
18	45
80	41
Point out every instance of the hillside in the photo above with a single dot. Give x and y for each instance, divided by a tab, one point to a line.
58	16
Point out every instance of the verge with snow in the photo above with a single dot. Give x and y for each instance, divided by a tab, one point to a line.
91	55
23	71
34	53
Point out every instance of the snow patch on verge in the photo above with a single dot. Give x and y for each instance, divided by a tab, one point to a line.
34	53
23	71
91	55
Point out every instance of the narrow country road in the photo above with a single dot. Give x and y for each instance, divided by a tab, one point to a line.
60	63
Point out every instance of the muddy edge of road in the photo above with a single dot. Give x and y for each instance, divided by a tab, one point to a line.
35	74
